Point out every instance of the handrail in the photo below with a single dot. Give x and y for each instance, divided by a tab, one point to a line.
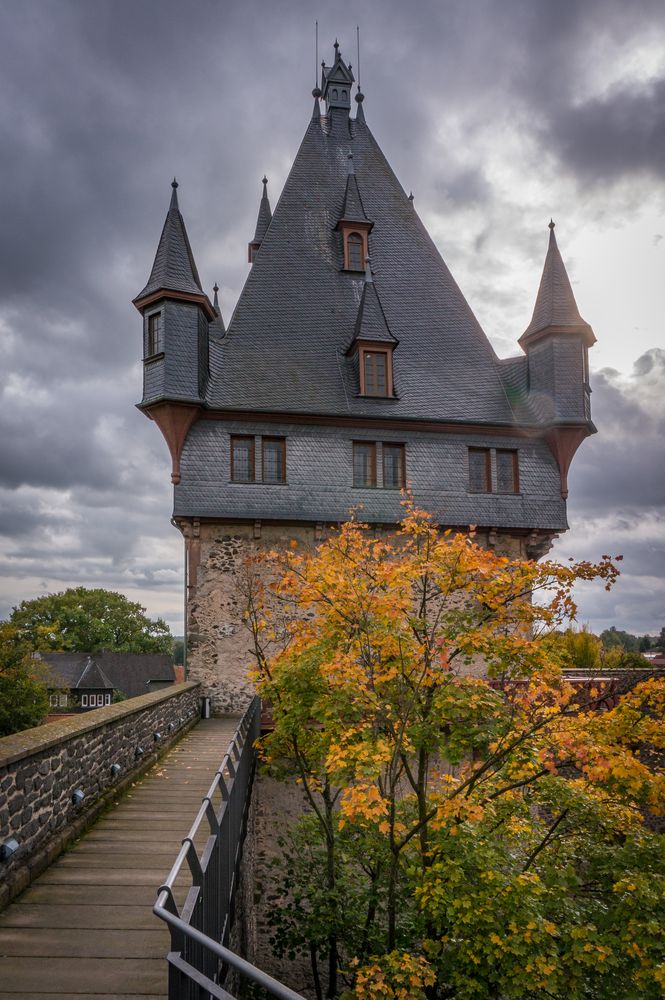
200	930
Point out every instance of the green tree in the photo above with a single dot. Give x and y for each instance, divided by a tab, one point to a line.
89	621
616	637
583	648
23	693
469	837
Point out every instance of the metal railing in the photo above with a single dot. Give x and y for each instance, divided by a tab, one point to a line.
200	958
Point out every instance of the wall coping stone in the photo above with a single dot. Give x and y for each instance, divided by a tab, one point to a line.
31	741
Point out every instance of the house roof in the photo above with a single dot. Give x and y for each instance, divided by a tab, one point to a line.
285	349
555	302
127	672
174	268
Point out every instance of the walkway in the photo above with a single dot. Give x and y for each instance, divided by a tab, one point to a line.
85	929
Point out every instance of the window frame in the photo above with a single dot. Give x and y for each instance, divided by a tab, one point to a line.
402	464
364	444
487	452
252	459
513	452
388	354
360	229
154	339
84	701
270	439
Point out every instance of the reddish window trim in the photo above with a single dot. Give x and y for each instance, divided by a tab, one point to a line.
252	460
372	446
359	229
488	470
394	444
379	349
282	441
154	337
516	471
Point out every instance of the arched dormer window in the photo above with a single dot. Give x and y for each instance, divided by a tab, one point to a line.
355	252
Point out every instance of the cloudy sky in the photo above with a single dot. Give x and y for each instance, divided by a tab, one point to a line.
497	114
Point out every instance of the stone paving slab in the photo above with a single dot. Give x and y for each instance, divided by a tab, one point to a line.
85	929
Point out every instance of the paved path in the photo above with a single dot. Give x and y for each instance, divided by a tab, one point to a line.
85	929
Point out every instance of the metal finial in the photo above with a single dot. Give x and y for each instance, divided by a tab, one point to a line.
265	181
368	271
358	51
336	47
411	196
551	224
316	60
174	183
215	288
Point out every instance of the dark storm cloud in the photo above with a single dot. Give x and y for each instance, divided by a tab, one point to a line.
101	103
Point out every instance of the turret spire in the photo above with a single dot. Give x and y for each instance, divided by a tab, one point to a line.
555	306
174	269
263	221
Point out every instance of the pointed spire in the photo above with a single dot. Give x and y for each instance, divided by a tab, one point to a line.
174	268
217	326
555	306
352	207
371	323
263	221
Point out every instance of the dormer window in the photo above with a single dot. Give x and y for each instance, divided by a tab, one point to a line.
376	375
356	245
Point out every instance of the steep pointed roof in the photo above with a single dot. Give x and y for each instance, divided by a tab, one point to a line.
555	303
93	676
352	207
174	268
217	325
265	214
371	323
285	349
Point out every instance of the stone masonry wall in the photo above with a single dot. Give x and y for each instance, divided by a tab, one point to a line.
218	642
41	768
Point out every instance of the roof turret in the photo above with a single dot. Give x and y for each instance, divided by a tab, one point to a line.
555	309
336	81
371	322
262	222
352	209
174	269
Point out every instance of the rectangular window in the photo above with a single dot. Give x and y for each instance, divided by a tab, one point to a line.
84	701
354	252
480	474
155	340
62	701
364	464
376	373
393	466
53	700
242	460
100	699
507	471
273	460
107	699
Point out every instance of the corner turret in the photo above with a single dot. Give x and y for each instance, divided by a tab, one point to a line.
556	343
176	316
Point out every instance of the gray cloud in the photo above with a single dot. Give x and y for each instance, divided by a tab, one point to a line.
100	104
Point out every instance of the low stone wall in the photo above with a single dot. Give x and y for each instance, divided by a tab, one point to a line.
42	768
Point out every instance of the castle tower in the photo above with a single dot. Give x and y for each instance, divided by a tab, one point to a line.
337	382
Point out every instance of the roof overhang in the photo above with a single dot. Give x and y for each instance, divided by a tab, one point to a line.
143	301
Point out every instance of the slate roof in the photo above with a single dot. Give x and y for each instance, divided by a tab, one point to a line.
555	302
286	342
352	208
127	672
264	216
371	321
174	267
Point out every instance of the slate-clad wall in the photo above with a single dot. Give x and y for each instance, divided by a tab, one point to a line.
181	349
319	476
556	378
41	768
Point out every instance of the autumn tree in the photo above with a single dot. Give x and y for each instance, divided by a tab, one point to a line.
88	621
475	831
23	692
